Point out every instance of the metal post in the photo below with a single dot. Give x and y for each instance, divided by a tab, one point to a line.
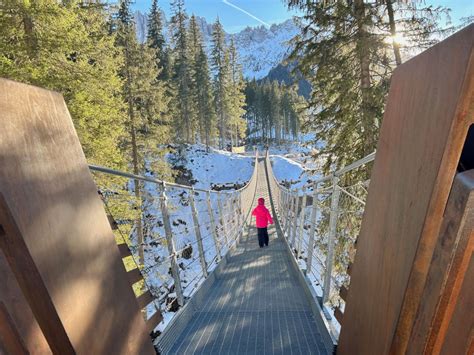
171	246
301	229
288	216
286	209
221	218
197	230
314	210
213	227
331	237
295	219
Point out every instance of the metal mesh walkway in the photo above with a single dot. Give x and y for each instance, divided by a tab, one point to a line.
255	305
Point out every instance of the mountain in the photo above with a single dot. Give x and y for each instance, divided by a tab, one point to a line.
260	49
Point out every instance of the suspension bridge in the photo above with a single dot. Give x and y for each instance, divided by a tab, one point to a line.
354	266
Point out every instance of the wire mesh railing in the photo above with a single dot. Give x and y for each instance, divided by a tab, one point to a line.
321	222
176	234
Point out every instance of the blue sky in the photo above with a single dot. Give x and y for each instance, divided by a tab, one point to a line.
270	11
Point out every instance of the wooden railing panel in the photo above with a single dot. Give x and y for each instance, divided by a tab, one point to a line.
47	185
428	113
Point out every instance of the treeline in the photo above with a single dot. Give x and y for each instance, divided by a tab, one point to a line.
274	111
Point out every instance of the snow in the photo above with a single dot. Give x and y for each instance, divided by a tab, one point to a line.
217	167
260	49
290	172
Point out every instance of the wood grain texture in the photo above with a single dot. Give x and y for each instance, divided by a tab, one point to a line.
12	244
49	189
428	112
451	257
10	339
20	312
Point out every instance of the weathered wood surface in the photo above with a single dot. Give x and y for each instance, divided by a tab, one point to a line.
52	197
429	109
442	293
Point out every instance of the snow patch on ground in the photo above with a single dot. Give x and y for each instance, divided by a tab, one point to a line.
291	173
216	167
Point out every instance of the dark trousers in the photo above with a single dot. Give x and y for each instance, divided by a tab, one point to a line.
262	236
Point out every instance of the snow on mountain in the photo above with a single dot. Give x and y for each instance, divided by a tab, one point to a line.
260	49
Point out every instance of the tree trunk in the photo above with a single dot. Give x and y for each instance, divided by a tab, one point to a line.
362	48
393	32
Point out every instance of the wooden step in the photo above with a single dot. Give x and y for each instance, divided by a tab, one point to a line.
338	314
124	250
155	319
343	293
134	276
145	299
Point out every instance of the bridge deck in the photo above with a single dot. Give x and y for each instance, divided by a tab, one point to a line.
256	304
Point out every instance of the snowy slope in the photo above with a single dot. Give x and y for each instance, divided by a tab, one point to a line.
216	169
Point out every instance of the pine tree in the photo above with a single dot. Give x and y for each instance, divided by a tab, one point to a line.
345	53
144	97
182	73
201	89
221	79
66	47
236	97
155	38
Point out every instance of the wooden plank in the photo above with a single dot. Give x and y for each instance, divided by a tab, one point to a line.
112	222
338	314
134	276
24	268
10	340
145	299
124	250
47	185
20	312
155	319
450	260
343	293
425	124
349	268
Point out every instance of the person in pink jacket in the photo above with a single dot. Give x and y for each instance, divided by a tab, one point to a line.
263	217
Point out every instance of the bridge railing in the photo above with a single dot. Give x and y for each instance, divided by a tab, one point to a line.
175	235
321	222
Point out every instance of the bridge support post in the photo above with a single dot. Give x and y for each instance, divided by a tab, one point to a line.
197	230
314	210
289	215
221	218
301	226
171	246
336	193
213	227
295	219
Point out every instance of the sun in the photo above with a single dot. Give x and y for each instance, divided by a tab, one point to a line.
398	38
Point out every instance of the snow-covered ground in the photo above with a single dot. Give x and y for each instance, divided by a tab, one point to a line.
214	168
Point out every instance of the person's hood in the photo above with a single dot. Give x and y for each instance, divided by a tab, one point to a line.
261	201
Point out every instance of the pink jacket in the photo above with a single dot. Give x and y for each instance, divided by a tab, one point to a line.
262	215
